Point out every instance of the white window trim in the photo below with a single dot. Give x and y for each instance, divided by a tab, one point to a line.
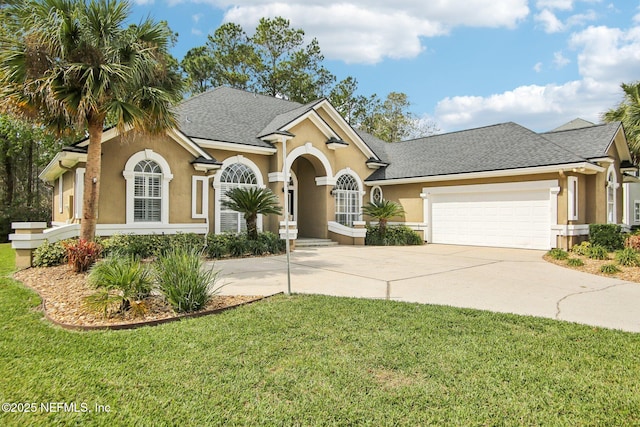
614	185
636	211
217	185
129	176
572	198
78	195
60	194
204	211
348	171
373	191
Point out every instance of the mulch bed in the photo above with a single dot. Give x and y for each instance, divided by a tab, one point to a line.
63	292
592	266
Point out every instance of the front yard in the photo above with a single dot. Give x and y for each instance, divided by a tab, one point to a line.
309	360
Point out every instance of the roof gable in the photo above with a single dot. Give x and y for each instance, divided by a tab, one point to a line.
591	142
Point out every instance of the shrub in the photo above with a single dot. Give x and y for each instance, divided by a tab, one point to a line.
120	278
275	245
607	235
581	249
598	252
238	245
183	281
627	257
82	254
49	254
575	262
217	245
395	235
150	245
558	253
609	269
633	241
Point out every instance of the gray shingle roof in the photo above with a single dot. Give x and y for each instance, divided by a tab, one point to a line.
492	148
231	115
590	142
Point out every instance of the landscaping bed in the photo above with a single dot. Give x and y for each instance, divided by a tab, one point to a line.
63	292
593	266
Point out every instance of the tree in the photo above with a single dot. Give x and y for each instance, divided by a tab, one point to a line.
628	112
76	63
252	201
383	211
198	65
234	57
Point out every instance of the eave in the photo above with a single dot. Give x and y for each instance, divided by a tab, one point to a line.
581	167
63	161
232	146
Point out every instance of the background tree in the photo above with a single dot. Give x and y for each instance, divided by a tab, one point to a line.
198	66
628	112
76	62
251	202
234	57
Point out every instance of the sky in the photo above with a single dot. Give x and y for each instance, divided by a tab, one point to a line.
462	63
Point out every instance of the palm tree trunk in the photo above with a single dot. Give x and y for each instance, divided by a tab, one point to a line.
252	227
91	195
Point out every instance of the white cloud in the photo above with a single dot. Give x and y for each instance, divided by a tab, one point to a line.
555	4
143	2
538	67
559	60
606	57
196	32
197	17
376	29
549	21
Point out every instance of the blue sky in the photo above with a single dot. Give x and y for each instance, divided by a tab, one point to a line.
463	63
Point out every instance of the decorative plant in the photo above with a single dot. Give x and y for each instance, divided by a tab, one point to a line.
183	280
575	262
81	254
627	257
383	211
558	253
252	201
598	252
609	269
123	281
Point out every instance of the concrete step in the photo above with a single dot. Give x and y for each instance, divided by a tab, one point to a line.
306	242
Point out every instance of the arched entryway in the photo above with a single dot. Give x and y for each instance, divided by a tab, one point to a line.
313	178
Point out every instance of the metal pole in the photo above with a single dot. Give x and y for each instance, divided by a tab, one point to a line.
286	212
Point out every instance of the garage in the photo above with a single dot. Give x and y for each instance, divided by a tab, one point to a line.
492	215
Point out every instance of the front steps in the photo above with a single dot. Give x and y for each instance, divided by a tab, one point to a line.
309	242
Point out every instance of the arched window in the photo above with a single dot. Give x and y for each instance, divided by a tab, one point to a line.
234	176
347	194
612	185
147	176
376	194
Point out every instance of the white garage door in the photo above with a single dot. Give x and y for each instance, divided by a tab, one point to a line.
513	219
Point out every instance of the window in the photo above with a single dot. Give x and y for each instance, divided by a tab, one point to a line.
572	196
347	194
636	210
147	193
147	176
376	194
234	176
611	195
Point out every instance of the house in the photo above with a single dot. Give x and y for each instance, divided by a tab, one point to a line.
501	185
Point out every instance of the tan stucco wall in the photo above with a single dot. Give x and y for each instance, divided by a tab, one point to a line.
115	154
68	182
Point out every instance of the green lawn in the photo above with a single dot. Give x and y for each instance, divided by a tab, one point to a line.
311	360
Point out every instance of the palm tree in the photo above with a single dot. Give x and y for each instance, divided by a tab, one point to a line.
252	201
383	211
75	63
628	112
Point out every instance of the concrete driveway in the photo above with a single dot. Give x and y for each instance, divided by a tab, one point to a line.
502	280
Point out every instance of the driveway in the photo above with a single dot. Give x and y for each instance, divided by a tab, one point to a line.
502	280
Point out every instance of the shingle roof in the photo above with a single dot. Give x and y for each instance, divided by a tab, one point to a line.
231	115
492	148
590	142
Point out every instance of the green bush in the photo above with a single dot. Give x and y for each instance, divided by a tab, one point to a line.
609	269
183	281
558	253
607	235
627	257
50	254
150	245
598	252
123	281
275	245
395	235
575	262
581	249
238	246
217	245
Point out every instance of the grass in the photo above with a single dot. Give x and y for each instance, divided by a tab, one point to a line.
310	360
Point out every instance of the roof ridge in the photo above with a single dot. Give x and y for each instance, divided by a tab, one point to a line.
455	132
582	128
